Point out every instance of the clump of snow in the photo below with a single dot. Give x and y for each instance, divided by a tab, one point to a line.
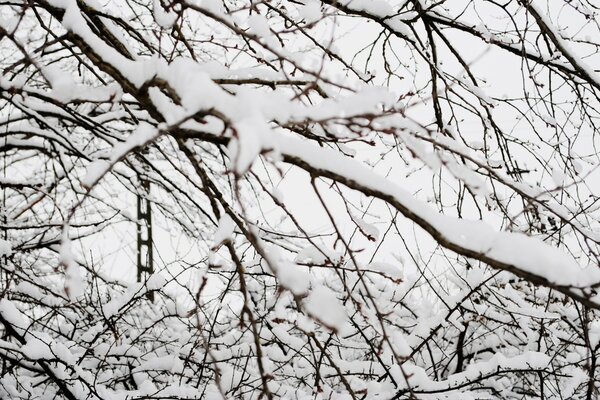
143	134
5	248
156	281
214	6
278	195
94	172
165	19
247	145
550	121
259	25
389	270
369	230
292	277
401	346
311	254
11	314
377	8
317	255
322	305
35	349
73	279
9	24
165	363
64	88
145	385
224	231
310	12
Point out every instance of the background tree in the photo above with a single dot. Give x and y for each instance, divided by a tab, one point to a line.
351	199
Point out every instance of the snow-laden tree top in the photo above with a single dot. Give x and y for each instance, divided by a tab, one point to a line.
351	199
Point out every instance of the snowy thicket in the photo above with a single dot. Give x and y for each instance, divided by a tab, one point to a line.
352	199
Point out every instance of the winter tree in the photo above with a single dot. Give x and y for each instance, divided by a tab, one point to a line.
299	199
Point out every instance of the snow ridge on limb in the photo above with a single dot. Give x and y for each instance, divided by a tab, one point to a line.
512	251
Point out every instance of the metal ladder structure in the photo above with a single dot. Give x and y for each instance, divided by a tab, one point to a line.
145	261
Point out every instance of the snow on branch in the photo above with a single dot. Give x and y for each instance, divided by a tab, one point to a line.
342	199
